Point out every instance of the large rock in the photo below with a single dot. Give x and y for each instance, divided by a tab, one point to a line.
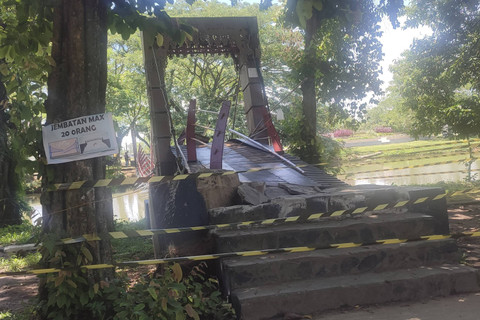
274	192
242	213
218	190
252	193
295	189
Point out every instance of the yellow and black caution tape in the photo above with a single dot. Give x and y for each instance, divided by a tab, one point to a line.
434	144
301	218
368	162
411	166
254	253
133	181
412	174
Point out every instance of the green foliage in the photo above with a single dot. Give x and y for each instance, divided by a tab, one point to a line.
132	248
172	296
76	293
19	234
321	149
165	296
20	263
438	79
126	94
390	112
25	33
345	51
26	314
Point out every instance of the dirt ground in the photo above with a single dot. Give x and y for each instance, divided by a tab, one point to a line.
15	292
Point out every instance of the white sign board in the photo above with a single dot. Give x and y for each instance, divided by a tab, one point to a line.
80	138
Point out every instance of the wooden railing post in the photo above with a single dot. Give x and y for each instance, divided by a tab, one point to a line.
216	155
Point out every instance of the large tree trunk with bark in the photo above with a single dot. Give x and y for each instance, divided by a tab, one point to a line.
309	102
9	184
76	87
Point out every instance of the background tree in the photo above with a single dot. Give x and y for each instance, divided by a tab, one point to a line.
126	90
76	87
24	47
390	112
439	77
340	63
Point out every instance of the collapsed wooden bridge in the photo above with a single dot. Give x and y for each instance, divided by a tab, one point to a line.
391	253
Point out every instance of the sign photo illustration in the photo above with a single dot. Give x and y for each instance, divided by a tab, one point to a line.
80	138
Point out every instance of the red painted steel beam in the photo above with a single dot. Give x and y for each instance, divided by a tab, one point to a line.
216	155
272	132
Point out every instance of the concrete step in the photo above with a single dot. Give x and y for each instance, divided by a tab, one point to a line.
317	295
361	229
243	272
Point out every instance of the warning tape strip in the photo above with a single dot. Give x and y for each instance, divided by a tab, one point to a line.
299	218
435	144
455	149
134	181
366	162
411	166
253	253
412	174
131	181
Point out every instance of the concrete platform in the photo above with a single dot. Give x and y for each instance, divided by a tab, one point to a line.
314	295
279	268
362	229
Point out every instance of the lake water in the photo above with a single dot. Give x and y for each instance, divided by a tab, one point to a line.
129	205
452	172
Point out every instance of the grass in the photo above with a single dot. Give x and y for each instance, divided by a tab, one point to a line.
458	186
366	135
413	146
19	263
25	314
19	234
132	248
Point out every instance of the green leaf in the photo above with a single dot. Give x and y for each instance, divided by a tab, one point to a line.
71	283
191	312
59	281
87	254
317	4
179	315
304	11
83	298
159	39
153	293
95	288
177	272
164	304
139	307
188	36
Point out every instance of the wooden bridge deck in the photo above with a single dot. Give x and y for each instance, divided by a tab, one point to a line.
239	156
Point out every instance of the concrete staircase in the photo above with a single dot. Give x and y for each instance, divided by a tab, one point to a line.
270	286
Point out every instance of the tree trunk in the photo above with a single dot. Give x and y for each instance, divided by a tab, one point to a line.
133	131
9	184
76	87
309	102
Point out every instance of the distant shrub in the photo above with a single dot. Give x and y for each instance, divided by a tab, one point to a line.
342	133
383	130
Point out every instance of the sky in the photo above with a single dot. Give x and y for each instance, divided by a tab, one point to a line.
396	41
